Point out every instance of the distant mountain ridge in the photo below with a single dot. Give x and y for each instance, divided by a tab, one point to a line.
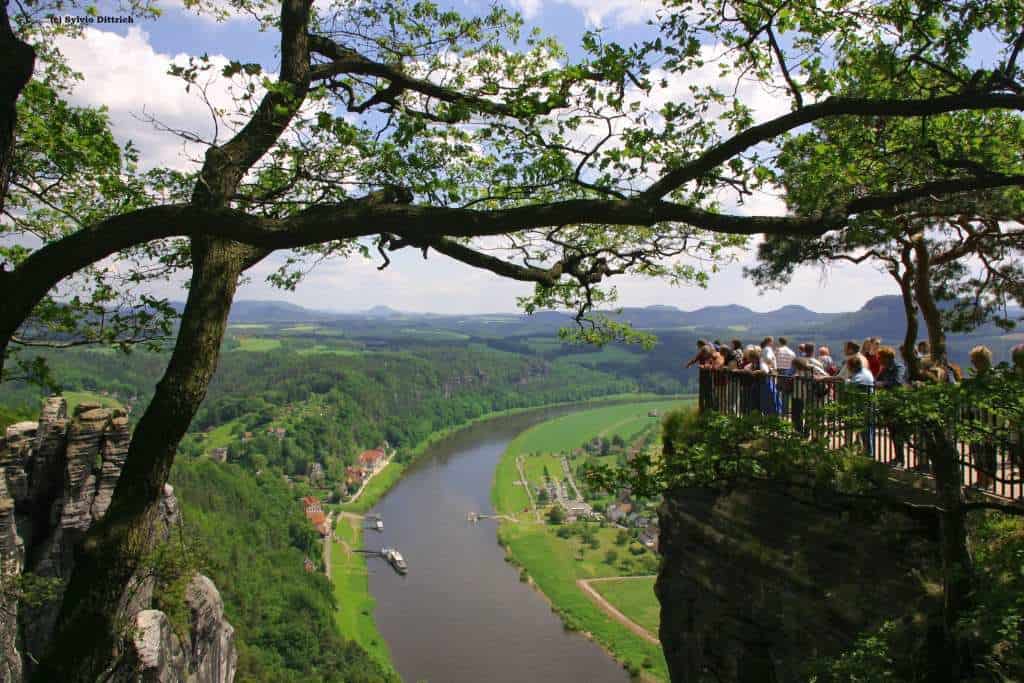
881	316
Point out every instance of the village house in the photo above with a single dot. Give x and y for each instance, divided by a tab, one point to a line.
279	432
577	509
246	436
309	566
616	512
372	461
649	538
354	476
315	514
316	473
637	520
219	455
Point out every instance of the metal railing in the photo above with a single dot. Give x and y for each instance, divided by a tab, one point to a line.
992	465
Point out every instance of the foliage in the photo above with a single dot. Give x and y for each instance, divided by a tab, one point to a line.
556	515
253	539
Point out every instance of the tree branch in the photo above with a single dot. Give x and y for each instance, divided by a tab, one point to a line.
833	106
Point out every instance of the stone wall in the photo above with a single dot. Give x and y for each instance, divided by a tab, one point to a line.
58	478
757	583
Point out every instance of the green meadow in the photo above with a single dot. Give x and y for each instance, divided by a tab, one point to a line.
634	598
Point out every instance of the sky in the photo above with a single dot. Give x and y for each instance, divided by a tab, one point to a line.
125	70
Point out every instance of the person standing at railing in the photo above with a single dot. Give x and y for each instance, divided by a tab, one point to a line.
851	349
869	349
983	450
701	343
862	380
768	361
784	357
784	369
761	392
733	354
826	360
892	376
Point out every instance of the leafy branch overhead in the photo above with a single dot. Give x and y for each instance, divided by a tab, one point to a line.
487	132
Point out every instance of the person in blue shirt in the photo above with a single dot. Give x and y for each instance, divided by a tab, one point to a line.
893	375
861	378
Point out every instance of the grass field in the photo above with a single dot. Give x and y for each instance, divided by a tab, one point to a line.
555	564
634	598
248	326
354	615
335	350
75	397
561	435
258	344
306	327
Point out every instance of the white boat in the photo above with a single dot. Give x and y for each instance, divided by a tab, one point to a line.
379	525
395	558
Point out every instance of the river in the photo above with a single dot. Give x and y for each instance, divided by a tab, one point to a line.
461	615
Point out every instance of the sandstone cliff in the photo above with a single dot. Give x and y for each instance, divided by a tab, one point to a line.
58	478
755	585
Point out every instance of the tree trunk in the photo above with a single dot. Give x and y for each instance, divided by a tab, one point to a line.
926	302
905	280
17	62
90	628
957	563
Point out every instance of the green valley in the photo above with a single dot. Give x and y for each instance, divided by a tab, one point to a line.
557	552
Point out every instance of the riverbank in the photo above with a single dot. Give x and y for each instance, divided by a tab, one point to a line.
554	564
391	474
354	613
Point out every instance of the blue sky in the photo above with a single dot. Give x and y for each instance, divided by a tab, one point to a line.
125	70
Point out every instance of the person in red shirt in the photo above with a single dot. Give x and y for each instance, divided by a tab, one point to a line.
869	349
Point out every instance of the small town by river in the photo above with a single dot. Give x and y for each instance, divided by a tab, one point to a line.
462	614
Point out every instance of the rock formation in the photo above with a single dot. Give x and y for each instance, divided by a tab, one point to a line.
58	478
756	584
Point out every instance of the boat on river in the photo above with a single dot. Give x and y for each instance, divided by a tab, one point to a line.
395	558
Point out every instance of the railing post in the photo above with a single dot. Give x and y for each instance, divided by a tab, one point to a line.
705	390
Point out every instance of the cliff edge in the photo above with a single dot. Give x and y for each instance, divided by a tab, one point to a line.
58	478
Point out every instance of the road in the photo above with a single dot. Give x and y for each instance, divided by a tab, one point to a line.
327	544
362	488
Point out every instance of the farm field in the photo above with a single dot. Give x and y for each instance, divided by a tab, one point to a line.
335	350
258	344
554	565
632	597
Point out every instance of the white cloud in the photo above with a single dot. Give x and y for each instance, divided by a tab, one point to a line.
126	74
598	12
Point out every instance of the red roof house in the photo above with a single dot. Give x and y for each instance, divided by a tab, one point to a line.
372	460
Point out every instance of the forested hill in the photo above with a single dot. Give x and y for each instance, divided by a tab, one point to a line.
325	398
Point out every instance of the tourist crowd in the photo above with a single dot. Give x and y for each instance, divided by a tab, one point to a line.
778	380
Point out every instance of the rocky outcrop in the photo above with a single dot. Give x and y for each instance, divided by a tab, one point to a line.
57	477
157	653
756	584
